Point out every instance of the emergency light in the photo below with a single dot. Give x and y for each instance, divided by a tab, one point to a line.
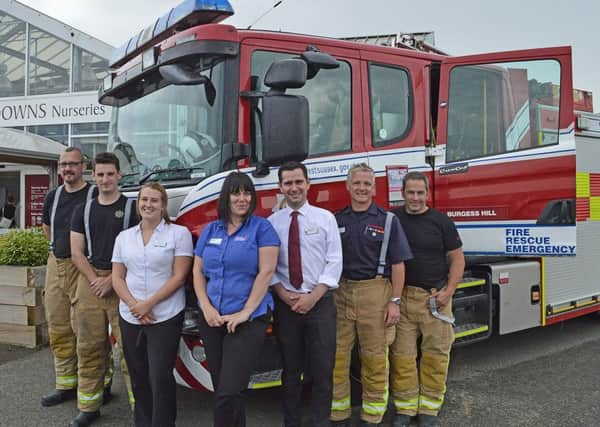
188	14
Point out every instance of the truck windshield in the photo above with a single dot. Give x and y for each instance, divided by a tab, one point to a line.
173	132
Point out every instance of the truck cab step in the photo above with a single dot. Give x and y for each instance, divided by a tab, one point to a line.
471	332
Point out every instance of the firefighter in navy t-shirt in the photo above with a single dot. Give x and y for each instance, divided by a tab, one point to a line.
434	272
374	250
94	228
61	273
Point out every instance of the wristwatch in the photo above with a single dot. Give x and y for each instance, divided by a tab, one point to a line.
396	300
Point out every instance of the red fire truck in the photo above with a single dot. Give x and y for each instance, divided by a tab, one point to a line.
509	158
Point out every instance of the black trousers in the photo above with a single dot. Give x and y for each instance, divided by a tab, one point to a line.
307	341
231	360
150	352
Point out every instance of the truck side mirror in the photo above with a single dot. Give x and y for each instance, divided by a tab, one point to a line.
284	128
286	74
317	60
182	75
284	124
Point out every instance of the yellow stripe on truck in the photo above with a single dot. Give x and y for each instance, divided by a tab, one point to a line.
582	186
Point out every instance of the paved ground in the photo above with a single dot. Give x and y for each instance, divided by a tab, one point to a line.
543	377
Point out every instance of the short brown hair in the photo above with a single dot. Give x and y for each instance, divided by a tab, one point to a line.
291	166
416	176
106	158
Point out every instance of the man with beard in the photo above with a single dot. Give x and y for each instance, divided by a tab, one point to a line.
61	273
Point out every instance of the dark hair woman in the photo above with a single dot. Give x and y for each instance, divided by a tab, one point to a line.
235	258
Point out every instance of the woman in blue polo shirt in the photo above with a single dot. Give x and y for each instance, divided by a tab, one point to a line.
235	258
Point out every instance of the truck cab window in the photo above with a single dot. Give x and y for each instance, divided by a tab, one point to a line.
391	108
503	107
330	105
174	127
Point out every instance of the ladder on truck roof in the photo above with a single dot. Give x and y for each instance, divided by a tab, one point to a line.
424	41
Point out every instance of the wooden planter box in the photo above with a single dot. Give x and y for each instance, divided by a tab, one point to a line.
22	317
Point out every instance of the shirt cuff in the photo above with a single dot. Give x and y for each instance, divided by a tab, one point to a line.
330	282
184	253
274	279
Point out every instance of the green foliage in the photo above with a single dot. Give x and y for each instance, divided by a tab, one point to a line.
24	247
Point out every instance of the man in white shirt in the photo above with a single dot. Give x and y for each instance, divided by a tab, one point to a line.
309	265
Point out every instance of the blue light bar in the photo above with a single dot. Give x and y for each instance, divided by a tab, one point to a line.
188	14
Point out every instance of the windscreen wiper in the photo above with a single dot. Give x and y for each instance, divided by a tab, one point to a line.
127	175
190	169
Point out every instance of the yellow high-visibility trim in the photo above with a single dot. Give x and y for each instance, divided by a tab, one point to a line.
131	398
471	284
471	332
582	184
562	309
406	404
578	304
430	403
89	397
66	380
340	405
595	208
386	392
268	384
373	408
543	289
585	303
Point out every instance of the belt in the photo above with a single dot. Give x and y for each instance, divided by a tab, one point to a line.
377	277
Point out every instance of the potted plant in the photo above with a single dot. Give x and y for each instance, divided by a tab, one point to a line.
23	255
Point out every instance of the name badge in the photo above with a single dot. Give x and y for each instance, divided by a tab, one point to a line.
215	241
342	230
309	231
160	244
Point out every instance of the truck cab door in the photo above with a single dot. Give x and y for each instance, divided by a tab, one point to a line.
505	147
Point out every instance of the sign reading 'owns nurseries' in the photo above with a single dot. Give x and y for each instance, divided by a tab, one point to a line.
55	109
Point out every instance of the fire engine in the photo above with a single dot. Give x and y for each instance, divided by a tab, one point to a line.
509	158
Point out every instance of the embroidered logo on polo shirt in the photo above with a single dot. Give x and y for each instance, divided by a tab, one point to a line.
119	214
240	238
374	230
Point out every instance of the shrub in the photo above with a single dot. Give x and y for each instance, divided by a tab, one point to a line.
24	247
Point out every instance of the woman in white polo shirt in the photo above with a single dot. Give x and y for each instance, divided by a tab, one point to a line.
150	264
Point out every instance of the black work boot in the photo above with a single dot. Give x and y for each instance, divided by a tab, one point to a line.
106	394
58	396
401	420
342	423
368	424
428	420
84	419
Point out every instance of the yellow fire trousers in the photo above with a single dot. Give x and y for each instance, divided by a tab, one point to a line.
59	295
361	307
420	390
93	315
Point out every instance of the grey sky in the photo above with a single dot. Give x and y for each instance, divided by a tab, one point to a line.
461	26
